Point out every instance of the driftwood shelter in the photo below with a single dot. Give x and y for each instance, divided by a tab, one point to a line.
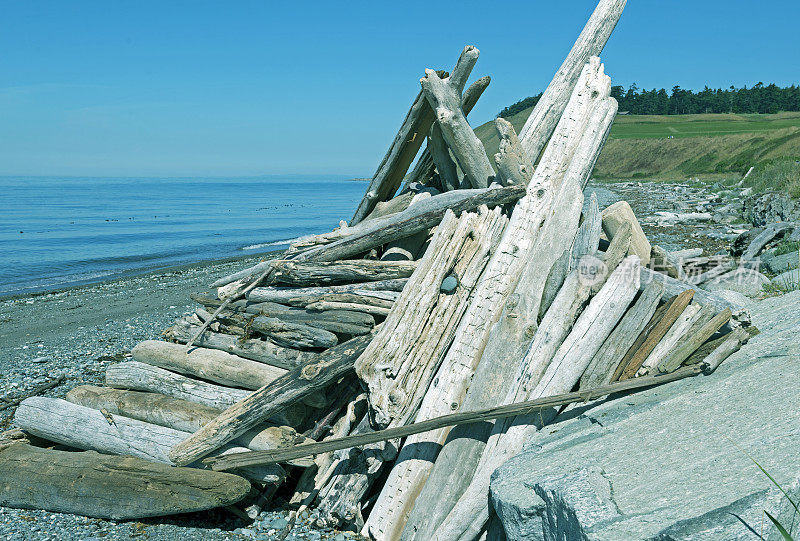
381	372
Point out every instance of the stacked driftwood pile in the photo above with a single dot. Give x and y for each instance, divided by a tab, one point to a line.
352	368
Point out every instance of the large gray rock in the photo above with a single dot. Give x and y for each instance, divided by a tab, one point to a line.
746	281
777	264
659	464
788	280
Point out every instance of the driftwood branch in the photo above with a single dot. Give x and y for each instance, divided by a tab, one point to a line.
239	460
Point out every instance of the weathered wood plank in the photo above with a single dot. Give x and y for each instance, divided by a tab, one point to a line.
548	110
602	366
653	334
695	339
669	341
326	273
284	294
258	350
110	487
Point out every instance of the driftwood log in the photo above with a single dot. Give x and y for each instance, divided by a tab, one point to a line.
89	429
327	368
304	273
469	515
264	351
284	294
548	110
175	413
444	96
208	364
110	487
400	363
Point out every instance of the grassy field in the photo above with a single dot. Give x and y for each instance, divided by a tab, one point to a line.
677	147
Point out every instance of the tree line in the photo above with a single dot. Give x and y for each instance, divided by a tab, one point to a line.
759	98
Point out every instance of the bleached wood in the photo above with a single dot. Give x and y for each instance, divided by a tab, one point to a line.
444	96
468	517
675	334
304	273
588	236
608	357
542	226
652	334
408	248
424	169
357	297
85	428
440	154
731	344
292	335
400	362
548	110
406	144
326	368
264	351
285	294
513	164
144	377
696	337
175	413
208	364
673	287
350	306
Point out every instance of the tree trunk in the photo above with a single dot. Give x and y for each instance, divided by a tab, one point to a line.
285	295
514	166
304	274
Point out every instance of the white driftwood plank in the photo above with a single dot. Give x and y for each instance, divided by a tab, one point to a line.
674	335
602	366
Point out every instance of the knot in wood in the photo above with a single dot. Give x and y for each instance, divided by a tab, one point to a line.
540	192
310	371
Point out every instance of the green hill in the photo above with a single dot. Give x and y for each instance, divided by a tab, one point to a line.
677	146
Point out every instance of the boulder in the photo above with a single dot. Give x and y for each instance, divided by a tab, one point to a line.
777	264
746	281
618	214
659	464
789	279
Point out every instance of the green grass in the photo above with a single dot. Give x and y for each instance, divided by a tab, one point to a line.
682	146
782	174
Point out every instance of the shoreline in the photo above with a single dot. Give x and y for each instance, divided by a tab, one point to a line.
124	275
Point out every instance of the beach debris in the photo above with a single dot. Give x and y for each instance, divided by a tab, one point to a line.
366	355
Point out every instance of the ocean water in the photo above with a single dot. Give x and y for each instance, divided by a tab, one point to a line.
56	232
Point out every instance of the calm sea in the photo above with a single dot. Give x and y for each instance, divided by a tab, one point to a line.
56	232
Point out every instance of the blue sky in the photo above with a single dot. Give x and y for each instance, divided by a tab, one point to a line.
245	88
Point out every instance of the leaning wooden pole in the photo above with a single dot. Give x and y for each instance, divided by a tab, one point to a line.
551	105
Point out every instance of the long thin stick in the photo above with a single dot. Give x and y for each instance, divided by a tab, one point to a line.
240	460
225	304
4	404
